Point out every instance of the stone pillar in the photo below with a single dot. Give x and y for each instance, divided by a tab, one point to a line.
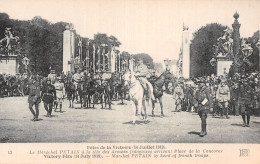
99	58
94	58
104	59
109	59
119	62
68	50
186	52
115	61
87	55
236	38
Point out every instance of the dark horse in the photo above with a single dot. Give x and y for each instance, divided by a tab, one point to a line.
3	85
87	92
70	90
118	88
103	92
158	84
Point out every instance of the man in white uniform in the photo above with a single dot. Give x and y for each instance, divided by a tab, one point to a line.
60	90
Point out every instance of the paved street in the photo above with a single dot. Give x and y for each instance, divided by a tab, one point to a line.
97	125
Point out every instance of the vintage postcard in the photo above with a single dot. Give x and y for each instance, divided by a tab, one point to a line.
129	81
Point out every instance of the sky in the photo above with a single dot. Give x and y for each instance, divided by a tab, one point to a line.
142	26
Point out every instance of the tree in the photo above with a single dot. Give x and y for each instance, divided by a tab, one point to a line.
159	67
148	60
254	58
202	49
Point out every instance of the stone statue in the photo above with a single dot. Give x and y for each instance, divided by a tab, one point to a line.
247	50
225	44
10	42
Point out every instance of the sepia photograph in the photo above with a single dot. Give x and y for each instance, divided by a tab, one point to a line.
129	79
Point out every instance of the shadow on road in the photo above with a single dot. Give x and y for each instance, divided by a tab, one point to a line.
7	139
9	119
195	133
157	116
51	115
236	125
121	104
137	122
60	111
256	122
39	119
106	109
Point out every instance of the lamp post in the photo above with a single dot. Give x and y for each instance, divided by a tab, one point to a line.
26	63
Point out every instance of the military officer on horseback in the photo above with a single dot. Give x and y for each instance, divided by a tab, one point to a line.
141	74
78	82
77	77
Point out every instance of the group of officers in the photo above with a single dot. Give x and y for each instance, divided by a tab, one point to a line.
217	95
206	94
51	92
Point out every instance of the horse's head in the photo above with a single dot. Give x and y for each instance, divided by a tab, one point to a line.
127	77
169	76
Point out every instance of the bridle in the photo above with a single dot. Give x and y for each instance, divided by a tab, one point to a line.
131	85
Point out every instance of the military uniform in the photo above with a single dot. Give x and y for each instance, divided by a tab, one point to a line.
48	96
178	96
77	77
203	101
188	93
234	99
52	76
34	98
142	74
245	102
59	87
223	96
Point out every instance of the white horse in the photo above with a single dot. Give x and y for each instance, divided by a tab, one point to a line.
137	96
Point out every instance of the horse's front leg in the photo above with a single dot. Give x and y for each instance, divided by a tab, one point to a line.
70	102
101	100
105	99
161	105
145	112
80	100
134	108
153	106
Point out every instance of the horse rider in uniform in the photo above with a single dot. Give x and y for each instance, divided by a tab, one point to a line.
153	78
34	99
203	101
60	92
77	77
48	96
141	73
222	97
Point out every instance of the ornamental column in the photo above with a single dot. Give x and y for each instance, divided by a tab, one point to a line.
236	39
